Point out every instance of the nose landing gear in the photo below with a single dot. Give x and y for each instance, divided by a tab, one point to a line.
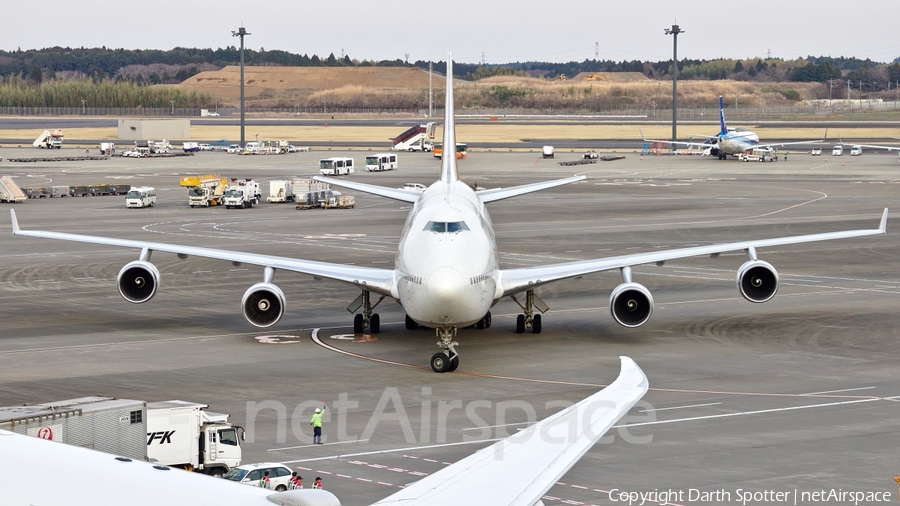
529	320
448	360
368	319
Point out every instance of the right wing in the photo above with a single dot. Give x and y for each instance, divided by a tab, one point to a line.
519	470
374	279
411	196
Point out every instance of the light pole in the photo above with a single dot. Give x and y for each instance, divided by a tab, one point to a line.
324	108
241	33
675	30
217	107
173	106
83	102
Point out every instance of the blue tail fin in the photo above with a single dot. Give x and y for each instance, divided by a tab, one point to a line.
722	117
449	173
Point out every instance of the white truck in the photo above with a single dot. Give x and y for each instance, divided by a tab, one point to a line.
252	148
280	190
381	161
107	148
140	197
548	151
49	139
336	166
190	147
855	150
241	194
172	433
414	138
205	190
162	146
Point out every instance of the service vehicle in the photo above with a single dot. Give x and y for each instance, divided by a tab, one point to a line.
428	146
413	138
336	200
419	187
241	194
381	161
233	148
548	151
460	150
142	196
251	474
837	150
252	148
206	190
49	139
591	155
277	147
855	150
170	433
308	193
161	147
758	155
107	148
205	147
816	152
190	147
336	166
280	190
10	191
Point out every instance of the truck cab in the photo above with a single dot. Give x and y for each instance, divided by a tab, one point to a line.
837	150
855	150
186	435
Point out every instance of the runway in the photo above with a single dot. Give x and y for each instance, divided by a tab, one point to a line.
798	394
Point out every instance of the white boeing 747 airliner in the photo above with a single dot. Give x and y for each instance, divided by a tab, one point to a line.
447	272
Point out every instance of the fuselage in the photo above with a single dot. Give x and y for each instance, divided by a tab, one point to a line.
447	262
737	141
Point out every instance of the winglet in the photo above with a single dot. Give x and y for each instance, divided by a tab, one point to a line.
881	228
826	135
642	135
15	222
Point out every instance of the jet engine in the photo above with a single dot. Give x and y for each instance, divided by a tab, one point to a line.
263	304
757	281
138	281
631	304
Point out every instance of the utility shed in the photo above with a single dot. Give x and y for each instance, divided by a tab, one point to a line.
169	128
106	424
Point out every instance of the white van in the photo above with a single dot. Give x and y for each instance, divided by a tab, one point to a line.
837	151
143	196
336	166
381	161
855	150
252	148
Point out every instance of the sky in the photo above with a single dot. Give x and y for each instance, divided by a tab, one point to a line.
497	32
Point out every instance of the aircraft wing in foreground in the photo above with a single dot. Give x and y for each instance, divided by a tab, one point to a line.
517	470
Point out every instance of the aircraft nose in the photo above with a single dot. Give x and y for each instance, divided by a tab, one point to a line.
446	288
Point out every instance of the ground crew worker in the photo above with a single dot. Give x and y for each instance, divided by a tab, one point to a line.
293	483
299	483
316	422
318	483
264	481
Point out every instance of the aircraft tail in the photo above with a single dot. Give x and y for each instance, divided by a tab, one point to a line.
724	129
449	173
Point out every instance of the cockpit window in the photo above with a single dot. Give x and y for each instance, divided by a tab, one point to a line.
443	226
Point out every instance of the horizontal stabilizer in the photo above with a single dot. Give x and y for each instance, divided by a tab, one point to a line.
391	193
505	193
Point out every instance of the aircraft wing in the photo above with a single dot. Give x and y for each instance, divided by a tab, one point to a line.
392	193
513	281
520	469
870	146
89	478
680	143
495	194
377	280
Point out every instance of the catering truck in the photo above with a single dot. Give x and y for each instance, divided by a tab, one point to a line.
171	433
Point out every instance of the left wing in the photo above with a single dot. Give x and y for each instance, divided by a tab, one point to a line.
513	281
519	470
377	280
681	143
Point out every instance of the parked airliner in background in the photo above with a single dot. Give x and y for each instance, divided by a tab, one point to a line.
730	141
447	271
517	470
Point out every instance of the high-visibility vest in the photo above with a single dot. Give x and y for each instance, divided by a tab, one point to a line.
316	420
264	482
317	485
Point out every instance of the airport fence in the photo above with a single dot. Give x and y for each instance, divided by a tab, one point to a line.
849	109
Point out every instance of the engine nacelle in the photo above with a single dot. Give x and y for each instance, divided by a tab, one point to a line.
263	304
138	281
757	281
631	304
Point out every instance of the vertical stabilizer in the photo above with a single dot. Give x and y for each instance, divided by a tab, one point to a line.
722	117
449	173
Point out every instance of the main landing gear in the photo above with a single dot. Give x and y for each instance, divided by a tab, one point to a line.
447	360
367	320
529	320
